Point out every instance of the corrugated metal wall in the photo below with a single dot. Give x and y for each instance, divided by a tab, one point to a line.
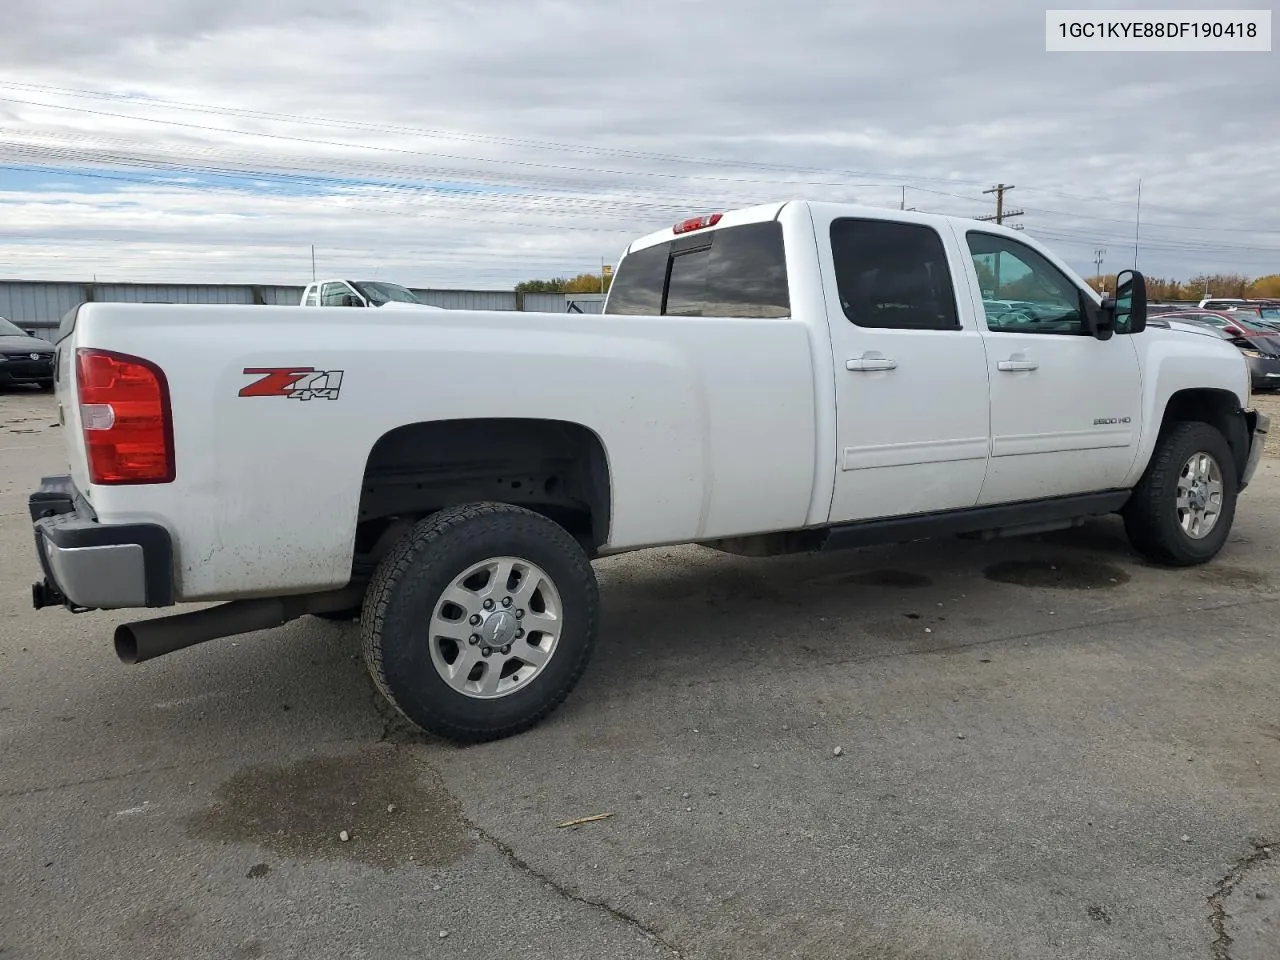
39	306
38	303
470	299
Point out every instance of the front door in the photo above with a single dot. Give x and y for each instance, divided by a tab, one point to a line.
911	379
1065	406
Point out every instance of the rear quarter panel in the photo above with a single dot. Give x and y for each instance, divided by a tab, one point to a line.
707	424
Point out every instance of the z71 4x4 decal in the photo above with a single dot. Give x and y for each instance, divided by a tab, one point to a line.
297	383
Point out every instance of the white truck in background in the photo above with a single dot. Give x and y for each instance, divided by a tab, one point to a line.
790	377
361	293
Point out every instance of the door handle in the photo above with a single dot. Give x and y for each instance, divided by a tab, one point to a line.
1017	365
871	363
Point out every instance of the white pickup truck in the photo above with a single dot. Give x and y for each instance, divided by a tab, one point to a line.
361	293
793	377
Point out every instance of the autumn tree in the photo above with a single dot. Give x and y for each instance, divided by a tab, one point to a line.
582	283
1217	285
1268	286
587	283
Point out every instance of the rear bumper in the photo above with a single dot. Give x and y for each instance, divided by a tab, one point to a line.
89	565
1259	424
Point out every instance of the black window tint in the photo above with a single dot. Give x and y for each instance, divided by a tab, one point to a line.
734	272
893	275
1022	292
746	274
687	290
637	286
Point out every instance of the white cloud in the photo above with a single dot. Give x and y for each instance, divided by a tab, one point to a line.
572	126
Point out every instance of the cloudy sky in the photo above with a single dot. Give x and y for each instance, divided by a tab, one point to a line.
475	144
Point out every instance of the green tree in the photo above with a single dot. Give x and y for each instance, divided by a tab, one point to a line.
555	285
582	283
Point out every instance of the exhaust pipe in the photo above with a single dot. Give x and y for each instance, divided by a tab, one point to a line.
148	639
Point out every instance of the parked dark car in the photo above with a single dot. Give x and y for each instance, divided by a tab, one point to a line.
1260	346
24	358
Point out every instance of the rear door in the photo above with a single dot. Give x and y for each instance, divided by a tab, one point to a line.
912	431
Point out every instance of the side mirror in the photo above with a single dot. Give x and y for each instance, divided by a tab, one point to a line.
1129	311
349	300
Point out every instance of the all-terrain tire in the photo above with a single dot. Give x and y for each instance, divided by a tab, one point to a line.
411	581
1151	517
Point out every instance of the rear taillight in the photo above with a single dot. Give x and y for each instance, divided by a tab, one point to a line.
125	417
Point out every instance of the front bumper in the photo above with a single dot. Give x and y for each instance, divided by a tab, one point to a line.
1264	373
20	368
1259	424
89	565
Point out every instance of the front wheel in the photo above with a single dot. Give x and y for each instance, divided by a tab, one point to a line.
480	622
1181	512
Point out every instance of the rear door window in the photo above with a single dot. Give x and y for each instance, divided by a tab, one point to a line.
893	275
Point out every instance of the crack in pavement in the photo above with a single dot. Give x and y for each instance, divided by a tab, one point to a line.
1221	946
105	778
616	912
399	732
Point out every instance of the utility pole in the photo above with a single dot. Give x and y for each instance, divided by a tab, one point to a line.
1097	264
1001	215
313	263
1137	222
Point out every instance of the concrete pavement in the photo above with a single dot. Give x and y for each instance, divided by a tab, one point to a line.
1048	750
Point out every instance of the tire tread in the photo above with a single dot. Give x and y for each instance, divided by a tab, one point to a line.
401	559
1148	525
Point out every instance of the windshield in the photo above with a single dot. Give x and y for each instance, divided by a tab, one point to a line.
7	329
378	293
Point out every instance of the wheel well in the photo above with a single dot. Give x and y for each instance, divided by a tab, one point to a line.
556	468
1218	408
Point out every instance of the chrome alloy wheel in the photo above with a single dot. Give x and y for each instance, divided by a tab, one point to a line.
495	627
1199	495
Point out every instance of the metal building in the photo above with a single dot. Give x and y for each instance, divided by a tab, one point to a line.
38	306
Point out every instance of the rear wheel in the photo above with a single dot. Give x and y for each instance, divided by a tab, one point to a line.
480	622
1182	510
